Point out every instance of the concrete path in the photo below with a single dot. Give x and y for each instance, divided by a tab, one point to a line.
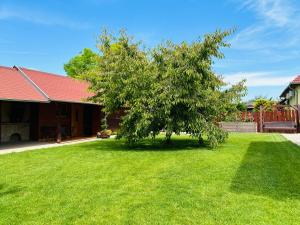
295	138
28	146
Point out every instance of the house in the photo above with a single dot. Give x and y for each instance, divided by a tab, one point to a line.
250	106
40	106
290	95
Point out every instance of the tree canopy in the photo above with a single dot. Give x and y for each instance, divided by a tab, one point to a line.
241	106
171	87
78	65
267	103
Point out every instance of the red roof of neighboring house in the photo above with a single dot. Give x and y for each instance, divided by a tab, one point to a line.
14	86
293	82
23	84
296	80
59	88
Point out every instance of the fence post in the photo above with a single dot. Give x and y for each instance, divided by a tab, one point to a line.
261	119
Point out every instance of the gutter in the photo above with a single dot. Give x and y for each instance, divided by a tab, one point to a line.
22	100
33	84
66	101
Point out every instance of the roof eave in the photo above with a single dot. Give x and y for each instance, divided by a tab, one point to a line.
76	102
23	100
286	89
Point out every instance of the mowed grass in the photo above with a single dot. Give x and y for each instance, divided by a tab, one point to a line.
251	179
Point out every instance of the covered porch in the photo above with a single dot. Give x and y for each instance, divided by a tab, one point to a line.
44	122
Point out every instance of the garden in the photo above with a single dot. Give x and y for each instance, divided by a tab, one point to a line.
250	179
171	161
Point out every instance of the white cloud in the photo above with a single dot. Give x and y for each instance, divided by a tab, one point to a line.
255	79
38	17
277	26
277	12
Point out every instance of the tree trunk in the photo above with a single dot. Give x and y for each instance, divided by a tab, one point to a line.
200	140
168	137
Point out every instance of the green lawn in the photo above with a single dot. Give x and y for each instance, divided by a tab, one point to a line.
252	179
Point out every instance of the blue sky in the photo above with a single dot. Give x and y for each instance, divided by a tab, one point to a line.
265	48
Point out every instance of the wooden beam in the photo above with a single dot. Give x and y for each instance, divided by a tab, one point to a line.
39	121
58	124
0	119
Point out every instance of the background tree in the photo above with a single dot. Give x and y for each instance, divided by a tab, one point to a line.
171	87
241	106
81	63
267	103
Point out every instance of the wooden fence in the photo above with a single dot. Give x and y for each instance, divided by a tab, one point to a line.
281	119
243	127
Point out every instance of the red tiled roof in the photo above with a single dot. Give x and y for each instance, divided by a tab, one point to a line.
59	88
13	86
296	80
23	84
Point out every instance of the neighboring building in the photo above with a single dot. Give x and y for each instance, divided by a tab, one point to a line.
250	106
291	94
36	106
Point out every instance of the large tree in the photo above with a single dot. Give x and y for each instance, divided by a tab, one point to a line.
171	87
81	63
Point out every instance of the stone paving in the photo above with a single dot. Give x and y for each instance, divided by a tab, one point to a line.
28	146
295	138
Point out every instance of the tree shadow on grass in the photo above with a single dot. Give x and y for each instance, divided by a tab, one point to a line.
150	145
270	169
6	190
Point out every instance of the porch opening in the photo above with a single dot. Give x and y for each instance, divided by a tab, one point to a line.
16	137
